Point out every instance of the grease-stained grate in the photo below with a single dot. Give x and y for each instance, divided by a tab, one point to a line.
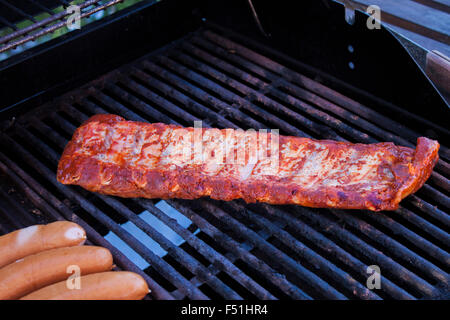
26	23
233	250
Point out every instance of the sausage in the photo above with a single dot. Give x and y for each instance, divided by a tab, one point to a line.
39	270
119	285
37	238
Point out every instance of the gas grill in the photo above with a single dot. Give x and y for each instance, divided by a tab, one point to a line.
308	73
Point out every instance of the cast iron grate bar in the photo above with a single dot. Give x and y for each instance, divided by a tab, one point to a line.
47	25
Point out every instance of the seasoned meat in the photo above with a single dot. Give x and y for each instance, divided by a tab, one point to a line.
110	155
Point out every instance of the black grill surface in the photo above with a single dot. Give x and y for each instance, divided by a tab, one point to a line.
234	250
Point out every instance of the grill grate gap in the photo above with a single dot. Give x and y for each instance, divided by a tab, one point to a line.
289	275
440	219
266	123
28	145
329	278
231	58
211	242
178	266
440	243
345	121
206	289
163	282
280	294
44	139
166	97
128	104
326	254
194	84
190	81
191	96
148	110
311	118
68	117
195	254
82	108
158	106
308	242
118	218
377	246
303	253
96	102
48	186
206	75
313	133
419	251
347	244
433	197
214	221
212	65
56	126
243	292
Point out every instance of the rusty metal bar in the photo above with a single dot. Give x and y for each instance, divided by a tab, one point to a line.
50	28
42	23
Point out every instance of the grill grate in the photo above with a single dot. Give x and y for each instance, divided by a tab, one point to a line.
242	251
23	22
